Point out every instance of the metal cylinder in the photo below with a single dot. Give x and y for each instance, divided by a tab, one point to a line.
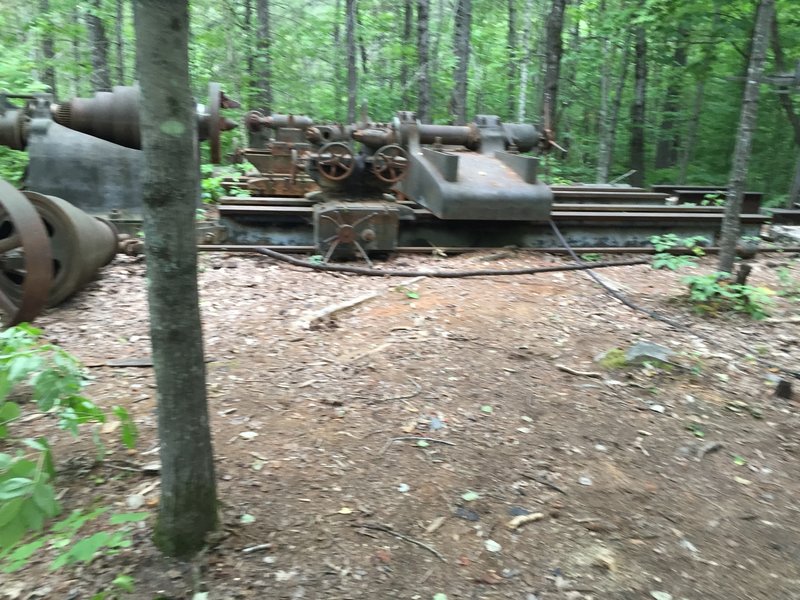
13	125
80	244
450	135
256	120
112	116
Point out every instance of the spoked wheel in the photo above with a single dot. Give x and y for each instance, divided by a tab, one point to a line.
26	263
390	163
349	229
335	161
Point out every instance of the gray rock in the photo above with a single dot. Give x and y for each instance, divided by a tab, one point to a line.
644	351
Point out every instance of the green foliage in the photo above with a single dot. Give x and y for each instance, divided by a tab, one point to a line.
666	245
12	164
55	380
713	200
790	286
591	257
714	293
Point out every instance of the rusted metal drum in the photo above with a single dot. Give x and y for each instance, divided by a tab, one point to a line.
79	244
26	266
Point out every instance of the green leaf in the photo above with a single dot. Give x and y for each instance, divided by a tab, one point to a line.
19	557
15	487
129	432
124	582
740	461
84	550
412	295
470	496
422	443
45	498
486	409
246	519
5	461
11	533
9	412
31	516
128	518
10	510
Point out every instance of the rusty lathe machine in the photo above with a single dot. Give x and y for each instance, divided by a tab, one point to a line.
339	190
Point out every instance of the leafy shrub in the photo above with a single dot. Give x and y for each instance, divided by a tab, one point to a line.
55	381
715	293
666	245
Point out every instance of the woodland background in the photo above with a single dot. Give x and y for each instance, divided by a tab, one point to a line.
652	85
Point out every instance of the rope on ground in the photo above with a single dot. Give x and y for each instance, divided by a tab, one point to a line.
442	274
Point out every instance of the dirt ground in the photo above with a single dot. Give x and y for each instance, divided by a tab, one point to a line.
649	483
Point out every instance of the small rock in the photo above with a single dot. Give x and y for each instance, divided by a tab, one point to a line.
492	546
661	595
174	574
403	488
644	351
659	408
585	480
135	501
231	264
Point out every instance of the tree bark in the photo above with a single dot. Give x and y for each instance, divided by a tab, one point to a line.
744	139
120	42
352	74
461	48
263	58
524	72
423	60
687	155
638	108
76	53
408	28
98	42
669	138
188	505
786	102
48	51
512	43
602	114
553	52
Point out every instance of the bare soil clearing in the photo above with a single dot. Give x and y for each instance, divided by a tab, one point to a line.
683	482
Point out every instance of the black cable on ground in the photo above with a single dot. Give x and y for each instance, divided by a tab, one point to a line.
442	274
650	313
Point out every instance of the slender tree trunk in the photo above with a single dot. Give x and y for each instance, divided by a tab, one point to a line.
637	147
616	105
786	102
408	28
524	73
553	51
98	41
423	59
669	139
794	191
744	139
263	58
513	57
48	51
602	114
362	48
461	48
119	42
687	155
188	507
76	54
352	74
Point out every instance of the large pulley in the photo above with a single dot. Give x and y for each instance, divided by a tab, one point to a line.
49	249
26	267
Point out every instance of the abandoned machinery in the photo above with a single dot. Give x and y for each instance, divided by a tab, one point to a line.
339	190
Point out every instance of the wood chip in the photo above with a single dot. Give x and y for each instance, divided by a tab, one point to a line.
521	520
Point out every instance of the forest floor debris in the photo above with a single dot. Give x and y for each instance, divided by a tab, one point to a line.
471	373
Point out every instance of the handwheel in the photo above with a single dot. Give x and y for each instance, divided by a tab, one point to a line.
26	264
390	163
335	161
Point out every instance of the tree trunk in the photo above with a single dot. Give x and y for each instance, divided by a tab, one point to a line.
48	51
352	74
408	28
602	114
119	42
423	59
513	57
669	140
461	48
637	147
170	180
76	53
263	58
98	41
362	48
699	97
744	138
553	51
786	102
793	200
522	93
